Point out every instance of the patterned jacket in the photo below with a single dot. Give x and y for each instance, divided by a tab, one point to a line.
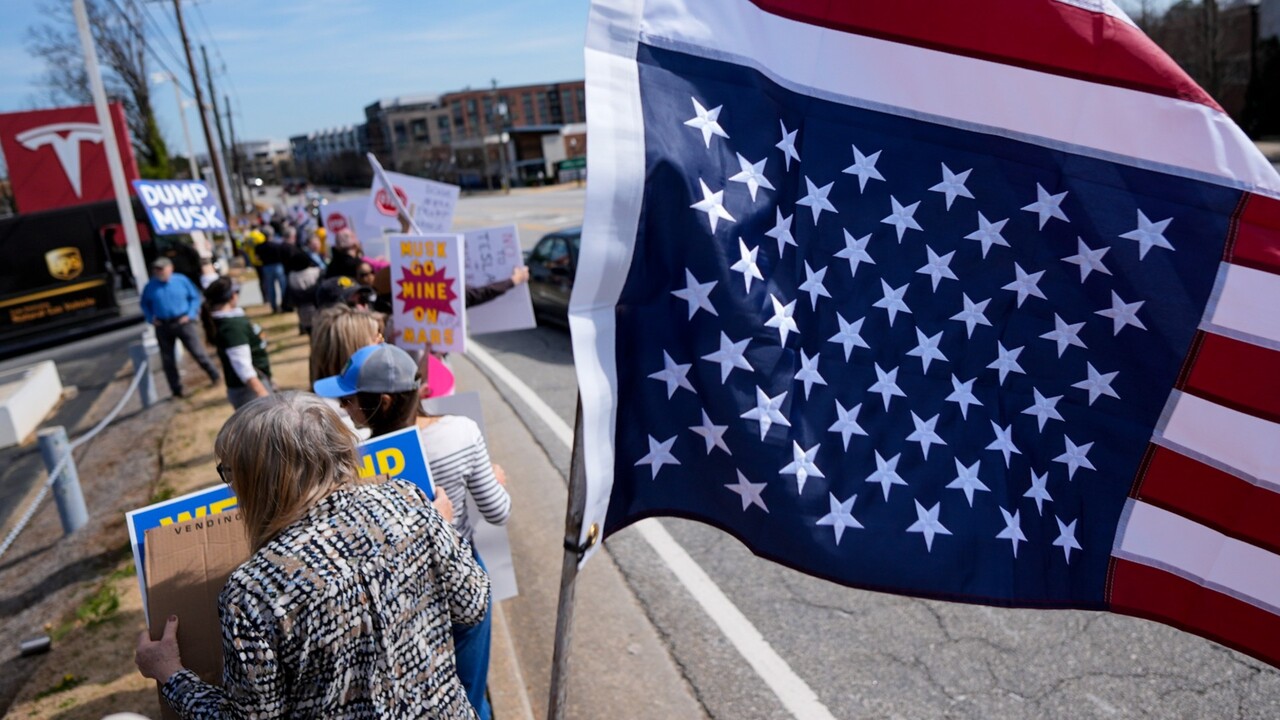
345	614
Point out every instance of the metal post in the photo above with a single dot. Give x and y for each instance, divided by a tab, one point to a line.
186	129
557	705
147	386
66	487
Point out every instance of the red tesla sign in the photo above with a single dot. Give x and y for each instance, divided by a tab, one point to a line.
56	157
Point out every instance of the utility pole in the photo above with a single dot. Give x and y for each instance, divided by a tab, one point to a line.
214	160
235	154
217	117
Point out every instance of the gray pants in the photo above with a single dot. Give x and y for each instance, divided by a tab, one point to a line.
168	333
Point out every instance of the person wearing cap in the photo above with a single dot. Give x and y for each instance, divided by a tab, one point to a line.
380	388
241	347
343	290
171	303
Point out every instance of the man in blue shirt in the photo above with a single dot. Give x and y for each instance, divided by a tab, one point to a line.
172	303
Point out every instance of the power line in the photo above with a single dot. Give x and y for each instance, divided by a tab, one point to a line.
142	37
222	63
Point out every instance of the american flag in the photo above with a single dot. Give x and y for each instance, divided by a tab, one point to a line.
984	310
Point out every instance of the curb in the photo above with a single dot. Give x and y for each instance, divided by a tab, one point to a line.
508	693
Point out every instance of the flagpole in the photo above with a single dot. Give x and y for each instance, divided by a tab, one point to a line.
573	552
391	190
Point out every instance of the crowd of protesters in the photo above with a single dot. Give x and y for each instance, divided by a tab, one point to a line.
363	597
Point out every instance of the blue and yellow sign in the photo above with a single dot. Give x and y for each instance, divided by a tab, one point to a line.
398	455
202	503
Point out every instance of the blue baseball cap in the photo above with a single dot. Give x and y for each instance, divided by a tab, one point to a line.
373	369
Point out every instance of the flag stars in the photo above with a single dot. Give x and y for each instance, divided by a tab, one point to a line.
1065	334
674	375
697	294
747	264
988	233
1097	384
864	166
1075	457
1047	206
887	385
1149	234
850	335
1044	409
802	465
892	301
1067	538
749	492
855	251
752	175
952	185
841	516
731	356
967	480
1006	361
707	121
886	474
781	230
813	284
659	455
1025	284
962	394
927	523
816	199
847	423
1004	442
1039	492
782	318
973	315
712	433
927	349
768	410
1122	314
1012	529
925	433
809	373
938	268
902	218
712	203
1088	260
788	145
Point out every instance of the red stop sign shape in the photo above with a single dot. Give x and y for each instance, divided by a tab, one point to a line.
336	222
384	204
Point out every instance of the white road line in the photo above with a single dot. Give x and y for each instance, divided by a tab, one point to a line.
793	692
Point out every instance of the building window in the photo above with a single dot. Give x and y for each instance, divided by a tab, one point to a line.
527	99
418	128
582	104
401	135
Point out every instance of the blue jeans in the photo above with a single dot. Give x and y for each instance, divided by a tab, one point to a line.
471	648
274	285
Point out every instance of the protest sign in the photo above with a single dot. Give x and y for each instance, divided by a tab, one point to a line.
199	504
431	203
491	256
179	206
427	292
350	215
398	455
490	540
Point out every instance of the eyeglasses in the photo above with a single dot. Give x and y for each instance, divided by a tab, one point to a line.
366	274
347	401
223	470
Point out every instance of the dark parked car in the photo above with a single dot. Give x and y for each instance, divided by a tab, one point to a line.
553	262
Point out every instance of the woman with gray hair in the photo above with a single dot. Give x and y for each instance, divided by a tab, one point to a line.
344	610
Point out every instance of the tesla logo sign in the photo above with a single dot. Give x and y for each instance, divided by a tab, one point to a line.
58	157
65	139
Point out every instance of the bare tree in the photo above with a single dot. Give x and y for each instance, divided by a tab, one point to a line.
118	34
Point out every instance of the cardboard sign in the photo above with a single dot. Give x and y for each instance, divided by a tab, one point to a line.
179	206
187	566
491	541
398	455
200	504
427	292
431	203
492	254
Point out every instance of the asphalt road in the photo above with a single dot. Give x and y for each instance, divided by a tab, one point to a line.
871	655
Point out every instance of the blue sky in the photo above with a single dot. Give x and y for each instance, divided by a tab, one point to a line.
295	66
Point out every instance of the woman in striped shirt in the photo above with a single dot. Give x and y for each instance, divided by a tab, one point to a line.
379	389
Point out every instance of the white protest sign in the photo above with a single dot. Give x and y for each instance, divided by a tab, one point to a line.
427	292
492	254
490	540
351	215
432	203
